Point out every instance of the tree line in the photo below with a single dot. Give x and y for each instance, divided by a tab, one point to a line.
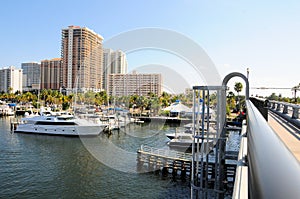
48	97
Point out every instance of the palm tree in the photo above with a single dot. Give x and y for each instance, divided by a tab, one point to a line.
4	96
165	99
295	89
98	99
71	98
44	94
50	100
79	97
132	100
65	102
238	87
142	102
11	94
154	105
89	97
28	96
231	100
104	96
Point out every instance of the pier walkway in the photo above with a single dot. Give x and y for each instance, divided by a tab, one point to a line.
289	134
166	161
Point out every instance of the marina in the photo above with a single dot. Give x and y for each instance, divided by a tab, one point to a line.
152	100
170	171
61	166
208	158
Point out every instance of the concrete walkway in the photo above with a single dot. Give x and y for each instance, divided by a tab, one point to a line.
289	135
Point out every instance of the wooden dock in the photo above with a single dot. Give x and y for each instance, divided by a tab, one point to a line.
178	164
14	124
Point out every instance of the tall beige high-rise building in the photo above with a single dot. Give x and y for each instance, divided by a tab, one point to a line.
11	79
50	73
114	62
82	59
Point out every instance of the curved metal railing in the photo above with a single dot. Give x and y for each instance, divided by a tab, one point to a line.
274	172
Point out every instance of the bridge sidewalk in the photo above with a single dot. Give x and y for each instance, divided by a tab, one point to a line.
289	135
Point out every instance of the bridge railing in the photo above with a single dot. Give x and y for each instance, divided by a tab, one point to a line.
286	110
274	172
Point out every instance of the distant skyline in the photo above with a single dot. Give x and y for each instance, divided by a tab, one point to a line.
263	36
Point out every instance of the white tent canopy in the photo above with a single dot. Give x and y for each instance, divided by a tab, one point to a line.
199	110
177	107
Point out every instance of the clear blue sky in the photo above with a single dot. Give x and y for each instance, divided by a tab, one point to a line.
261	35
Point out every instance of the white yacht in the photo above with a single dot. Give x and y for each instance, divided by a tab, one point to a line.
6	110
178	133
115	121
188	130
186	142
66	125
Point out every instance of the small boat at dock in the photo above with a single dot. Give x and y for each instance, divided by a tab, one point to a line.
188	130
187	141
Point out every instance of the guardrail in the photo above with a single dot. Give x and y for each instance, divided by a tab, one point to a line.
286	110
166	153
274	172
240	190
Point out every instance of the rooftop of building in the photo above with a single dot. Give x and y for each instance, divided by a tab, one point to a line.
53	59
86	28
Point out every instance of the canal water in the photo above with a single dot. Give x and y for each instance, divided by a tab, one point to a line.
39	166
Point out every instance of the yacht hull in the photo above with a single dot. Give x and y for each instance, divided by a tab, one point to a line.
70	130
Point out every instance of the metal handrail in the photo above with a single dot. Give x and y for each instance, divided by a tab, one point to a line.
166	153
274	172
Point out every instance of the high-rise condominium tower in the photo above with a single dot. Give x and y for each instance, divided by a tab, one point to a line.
82	59
31	75
50	73
114	62
134	84
10	79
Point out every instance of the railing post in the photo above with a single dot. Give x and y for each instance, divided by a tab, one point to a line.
285	109
295	113
273	105
278	107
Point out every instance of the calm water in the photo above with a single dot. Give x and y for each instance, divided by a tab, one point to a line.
37	166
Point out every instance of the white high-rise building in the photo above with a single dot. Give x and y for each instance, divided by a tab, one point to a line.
10	79
114	62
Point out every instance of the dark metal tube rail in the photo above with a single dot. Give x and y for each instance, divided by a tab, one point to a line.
274	172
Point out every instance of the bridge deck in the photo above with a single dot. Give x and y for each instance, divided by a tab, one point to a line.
289	134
